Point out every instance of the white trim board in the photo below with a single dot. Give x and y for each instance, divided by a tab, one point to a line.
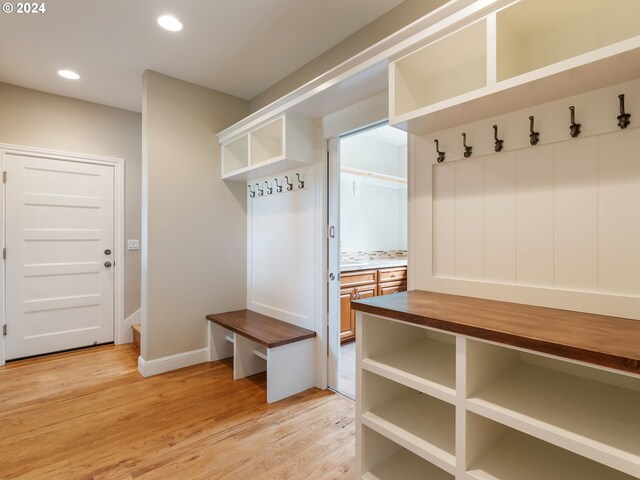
148	368
119	227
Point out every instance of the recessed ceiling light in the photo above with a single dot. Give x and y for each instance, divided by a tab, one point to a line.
68	74
170	23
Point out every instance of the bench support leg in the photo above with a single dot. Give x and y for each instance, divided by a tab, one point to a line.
219	347
290	369
245	362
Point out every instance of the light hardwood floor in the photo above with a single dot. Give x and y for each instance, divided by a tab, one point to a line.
347	379
89	415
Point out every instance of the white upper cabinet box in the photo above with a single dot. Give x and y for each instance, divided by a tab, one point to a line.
235	155
274	147
443	70
531	52
533	34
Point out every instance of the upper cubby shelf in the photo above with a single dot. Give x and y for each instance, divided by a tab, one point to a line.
274	147
531	52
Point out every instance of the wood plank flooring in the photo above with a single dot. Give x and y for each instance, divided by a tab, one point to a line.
89	415
347	379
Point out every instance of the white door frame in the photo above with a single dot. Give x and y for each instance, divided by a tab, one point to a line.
371	120
119	226
333	261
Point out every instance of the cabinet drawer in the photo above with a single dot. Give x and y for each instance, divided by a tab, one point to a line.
355	279
392	274
392	287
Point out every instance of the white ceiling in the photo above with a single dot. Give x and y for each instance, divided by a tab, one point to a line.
240	47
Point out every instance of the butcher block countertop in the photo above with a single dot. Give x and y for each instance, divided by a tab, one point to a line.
607	341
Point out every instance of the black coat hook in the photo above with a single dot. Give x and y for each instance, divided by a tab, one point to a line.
269	188
440	154
574	128
499	144
252	193
260	190
533	136
278	185
300	182
468	150
289	185
623	118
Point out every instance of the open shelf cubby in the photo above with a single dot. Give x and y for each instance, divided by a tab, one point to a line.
531	52
386	460
235	155
416	421
528	37
590	411
281	144
422	359
267	142
497	452
449	67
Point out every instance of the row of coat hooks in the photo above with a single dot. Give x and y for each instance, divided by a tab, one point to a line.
269	187
534	137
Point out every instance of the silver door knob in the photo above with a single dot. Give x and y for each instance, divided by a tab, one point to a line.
107	252
332	276
107	264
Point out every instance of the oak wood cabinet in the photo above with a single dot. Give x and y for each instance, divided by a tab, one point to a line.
361	284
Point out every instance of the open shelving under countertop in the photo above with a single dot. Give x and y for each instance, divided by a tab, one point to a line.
598	339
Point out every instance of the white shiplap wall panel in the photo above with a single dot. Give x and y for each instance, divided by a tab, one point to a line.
282	228
534	212
554	224
576	214
619	212
500	218
469	219
444	220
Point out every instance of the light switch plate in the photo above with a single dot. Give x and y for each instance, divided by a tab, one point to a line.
133	244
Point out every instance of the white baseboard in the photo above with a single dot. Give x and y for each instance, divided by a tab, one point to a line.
165	364
127	334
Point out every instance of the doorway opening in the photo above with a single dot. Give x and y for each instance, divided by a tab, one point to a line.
368	207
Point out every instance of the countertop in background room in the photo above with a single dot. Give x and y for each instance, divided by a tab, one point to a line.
373	264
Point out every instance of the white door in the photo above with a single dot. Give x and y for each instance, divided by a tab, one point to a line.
59	264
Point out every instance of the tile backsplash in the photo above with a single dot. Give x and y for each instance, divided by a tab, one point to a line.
377	255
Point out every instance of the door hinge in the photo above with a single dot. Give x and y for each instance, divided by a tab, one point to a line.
4	177
4	253
4	330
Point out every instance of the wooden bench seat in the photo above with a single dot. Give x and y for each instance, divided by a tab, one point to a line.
257	343
266	331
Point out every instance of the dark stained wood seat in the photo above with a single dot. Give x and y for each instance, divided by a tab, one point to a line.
267	331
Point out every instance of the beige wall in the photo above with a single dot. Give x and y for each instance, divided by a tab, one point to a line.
392	21
36	119
194	224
